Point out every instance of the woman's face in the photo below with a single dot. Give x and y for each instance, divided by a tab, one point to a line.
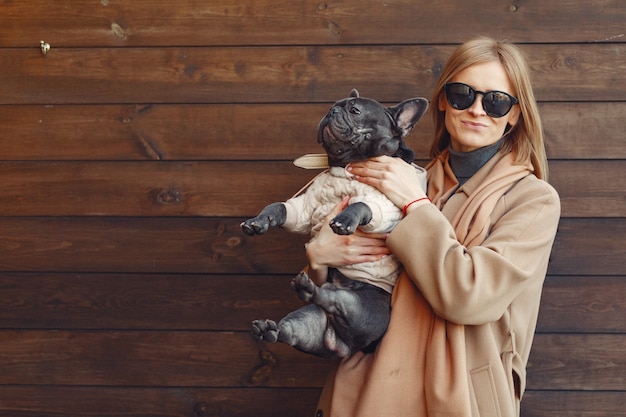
472	128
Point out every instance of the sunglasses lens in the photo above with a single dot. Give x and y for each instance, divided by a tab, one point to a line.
460	96
497	104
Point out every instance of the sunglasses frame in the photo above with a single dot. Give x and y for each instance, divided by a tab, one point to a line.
512	99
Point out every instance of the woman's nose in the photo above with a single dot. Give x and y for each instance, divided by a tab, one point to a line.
477	106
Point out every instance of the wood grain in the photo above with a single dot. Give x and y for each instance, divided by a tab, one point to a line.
253	131
191	188
156	402
218	359
143	301
223	302
37	401
216	246
158	359
582	304
280	74
573	404
556	362
259	22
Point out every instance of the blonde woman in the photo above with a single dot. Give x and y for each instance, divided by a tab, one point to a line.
475	247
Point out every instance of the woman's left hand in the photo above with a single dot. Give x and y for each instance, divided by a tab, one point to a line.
393	177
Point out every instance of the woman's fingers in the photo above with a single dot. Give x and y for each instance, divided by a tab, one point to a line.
393	177
338	208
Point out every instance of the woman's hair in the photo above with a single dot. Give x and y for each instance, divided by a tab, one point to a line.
525	139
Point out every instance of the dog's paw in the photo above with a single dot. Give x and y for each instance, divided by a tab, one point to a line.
266	330
344	225
255	226
303	285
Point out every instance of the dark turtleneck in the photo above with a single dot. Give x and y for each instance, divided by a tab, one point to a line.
466	164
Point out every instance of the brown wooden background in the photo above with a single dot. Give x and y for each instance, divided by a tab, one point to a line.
132	150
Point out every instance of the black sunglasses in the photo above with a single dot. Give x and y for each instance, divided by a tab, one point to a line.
496	103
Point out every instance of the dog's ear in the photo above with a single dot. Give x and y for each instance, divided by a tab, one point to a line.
408	113
354	93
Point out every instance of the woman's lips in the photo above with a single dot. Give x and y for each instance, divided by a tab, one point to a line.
474	125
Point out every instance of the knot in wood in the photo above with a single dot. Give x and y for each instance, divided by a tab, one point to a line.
233	242
118	31
262	372
203	409
167	197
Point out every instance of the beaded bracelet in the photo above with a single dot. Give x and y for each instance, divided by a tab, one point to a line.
406	207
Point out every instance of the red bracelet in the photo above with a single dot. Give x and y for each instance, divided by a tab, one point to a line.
406	207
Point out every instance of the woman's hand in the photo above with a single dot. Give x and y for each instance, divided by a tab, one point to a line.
393	177
332	250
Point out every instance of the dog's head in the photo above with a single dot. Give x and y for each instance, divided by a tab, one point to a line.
357	128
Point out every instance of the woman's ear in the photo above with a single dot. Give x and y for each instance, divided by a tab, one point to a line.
442	102
514	116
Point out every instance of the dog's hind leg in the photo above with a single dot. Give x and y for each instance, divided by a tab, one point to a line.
357	313
304	329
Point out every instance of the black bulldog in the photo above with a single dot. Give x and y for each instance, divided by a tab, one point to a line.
350	312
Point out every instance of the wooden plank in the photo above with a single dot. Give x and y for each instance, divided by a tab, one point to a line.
576	252
577	362
149	358
168	402
573	404
210	245
581	304
153	245
146	188
36	401
604	194
155	402
260	22
572	130
137	301
252	132
164	132
572	72
227	359
162	188
573	304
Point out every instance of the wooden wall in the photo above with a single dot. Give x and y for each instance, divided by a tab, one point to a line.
132	150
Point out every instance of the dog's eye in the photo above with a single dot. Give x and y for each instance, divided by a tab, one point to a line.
355	110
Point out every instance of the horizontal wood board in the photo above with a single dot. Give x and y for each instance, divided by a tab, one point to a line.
220	302
160	23
243	132
207	245
219	188
294	74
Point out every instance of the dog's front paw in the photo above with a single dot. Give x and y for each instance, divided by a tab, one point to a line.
255	226
266	330
272	215
344	225
303	285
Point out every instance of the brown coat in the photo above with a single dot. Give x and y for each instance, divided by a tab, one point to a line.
463	315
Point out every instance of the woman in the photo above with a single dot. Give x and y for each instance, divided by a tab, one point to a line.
475	249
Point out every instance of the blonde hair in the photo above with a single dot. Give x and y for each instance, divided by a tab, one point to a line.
525	139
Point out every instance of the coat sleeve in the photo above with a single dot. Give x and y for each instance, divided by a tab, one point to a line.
476	285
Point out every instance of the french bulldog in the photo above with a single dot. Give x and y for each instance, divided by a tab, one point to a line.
350	312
